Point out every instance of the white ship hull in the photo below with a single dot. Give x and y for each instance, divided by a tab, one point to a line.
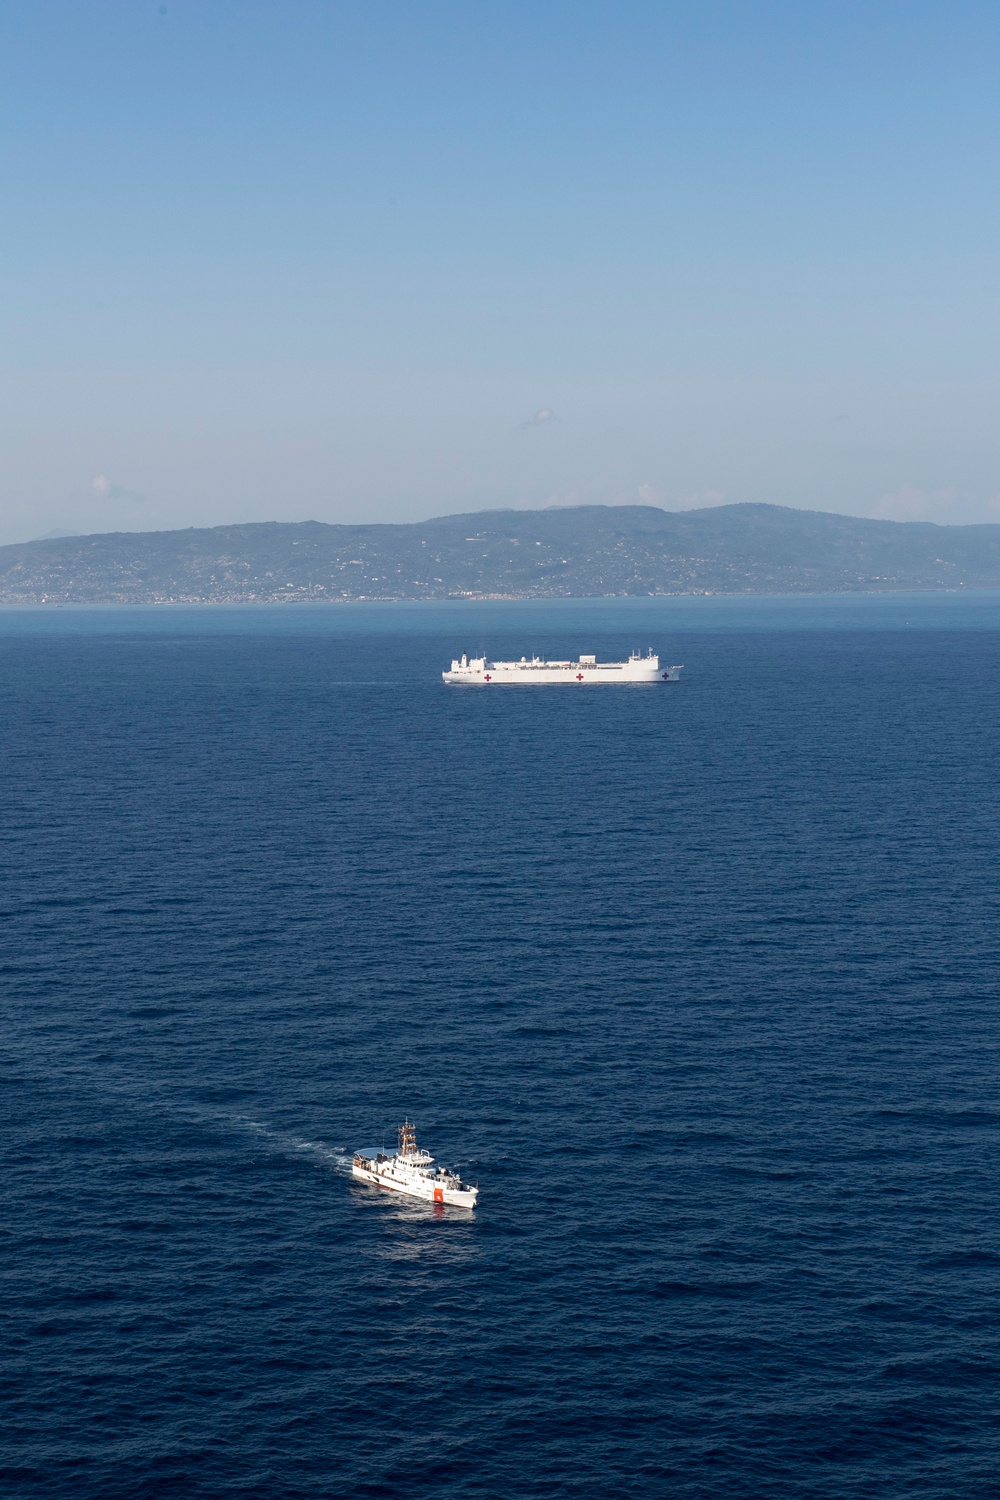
423	1188
412	1173
587	672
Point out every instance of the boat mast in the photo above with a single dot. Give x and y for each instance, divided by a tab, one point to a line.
407	1139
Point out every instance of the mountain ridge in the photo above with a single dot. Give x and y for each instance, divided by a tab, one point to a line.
559	552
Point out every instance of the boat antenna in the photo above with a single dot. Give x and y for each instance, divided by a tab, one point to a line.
407	1138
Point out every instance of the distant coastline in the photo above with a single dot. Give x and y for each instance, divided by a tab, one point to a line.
574	552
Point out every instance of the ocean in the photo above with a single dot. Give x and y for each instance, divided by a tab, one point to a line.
701	983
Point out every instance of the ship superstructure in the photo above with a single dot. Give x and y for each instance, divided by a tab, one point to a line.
476	671
411	1171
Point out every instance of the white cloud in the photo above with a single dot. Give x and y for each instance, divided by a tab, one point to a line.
106	489
541	417
909	503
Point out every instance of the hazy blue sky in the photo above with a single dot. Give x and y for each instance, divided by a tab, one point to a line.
291	260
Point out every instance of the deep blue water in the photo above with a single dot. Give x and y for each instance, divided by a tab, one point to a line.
700	982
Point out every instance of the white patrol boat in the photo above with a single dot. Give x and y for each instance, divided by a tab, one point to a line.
476	671
413	1172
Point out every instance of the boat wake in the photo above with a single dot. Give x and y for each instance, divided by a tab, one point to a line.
284	1144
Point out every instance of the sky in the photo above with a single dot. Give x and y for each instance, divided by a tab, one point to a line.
387	259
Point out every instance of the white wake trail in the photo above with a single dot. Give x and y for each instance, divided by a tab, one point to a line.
282	1143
